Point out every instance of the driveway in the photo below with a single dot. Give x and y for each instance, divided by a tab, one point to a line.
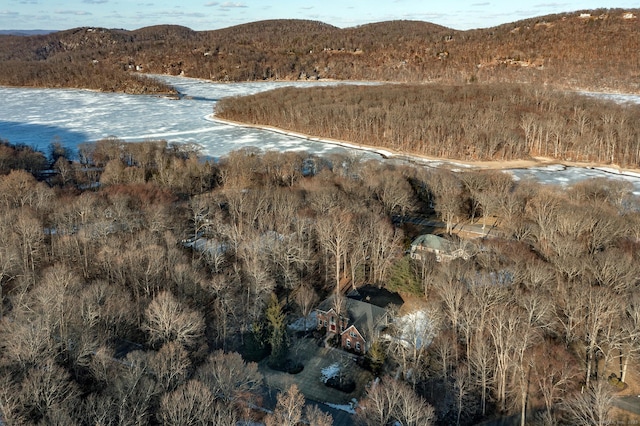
629	403
314	359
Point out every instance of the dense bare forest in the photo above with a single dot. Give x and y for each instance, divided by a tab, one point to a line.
84	75
469	122
108	317
595	49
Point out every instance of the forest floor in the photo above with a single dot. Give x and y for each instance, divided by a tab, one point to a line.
468	229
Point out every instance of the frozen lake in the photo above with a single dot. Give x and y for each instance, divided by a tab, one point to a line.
37	117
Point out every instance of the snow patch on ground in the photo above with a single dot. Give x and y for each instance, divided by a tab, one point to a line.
416	329
349	408
330	372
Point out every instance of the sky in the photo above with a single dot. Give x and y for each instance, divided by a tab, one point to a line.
210	15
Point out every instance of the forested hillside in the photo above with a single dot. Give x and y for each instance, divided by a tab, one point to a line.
588	49
466	122
107	316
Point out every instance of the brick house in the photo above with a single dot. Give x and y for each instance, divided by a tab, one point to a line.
358	326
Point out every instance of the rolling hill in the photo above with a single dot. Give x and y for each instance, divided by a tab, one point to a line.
596	50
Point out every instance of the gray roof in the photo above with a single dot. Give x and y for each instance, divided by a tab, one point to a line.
378	296
434	242
365	316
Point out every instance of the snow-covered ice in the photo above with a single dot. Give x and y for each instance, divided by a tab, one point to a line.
37	117
565	175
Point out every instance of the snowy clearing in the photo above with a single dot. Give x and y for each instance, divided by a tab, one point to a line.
330	372
416	329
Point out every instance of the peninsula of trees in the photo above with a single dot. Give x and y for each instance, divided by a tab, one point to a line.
591	49
465	122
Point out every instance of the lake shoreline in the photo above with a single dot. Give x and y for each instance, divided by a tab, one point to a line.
386	153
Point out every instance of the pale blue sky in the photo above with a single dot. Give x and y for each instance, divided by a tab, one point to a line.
209	15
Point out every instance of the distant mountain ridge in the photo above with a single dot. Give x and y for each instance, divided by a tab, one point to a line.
596	50
26	32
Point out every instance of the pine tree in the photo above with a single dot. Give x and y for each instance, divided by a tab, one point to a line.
277	329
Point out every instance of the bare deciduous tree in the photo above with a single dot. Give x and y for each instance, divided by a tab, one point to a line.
481	362
444	349
461	388
224	306
9	257
447	192
505	327
20	189
391	189
391	401
590	407
30	239
168	320
317	417
553	373
306	298
382	243
414	332
189	404
339	304
334	233
48	394
133	388
259	282
542	209
228	377
170	365
288	410
600	309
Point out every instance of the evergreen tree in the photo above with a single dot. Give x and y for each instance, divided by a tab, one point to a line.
277	332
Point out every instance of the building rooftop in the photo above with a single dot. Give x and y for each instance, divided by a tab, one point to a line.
380	297
434	242
363	315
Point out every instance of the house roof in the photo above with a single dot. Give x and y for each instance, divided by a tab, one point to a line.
434	242
376	296
364	316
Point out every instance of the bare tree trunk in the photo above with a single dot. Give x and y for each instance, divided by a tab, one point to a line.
337	270
589	361
624	362
524	396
